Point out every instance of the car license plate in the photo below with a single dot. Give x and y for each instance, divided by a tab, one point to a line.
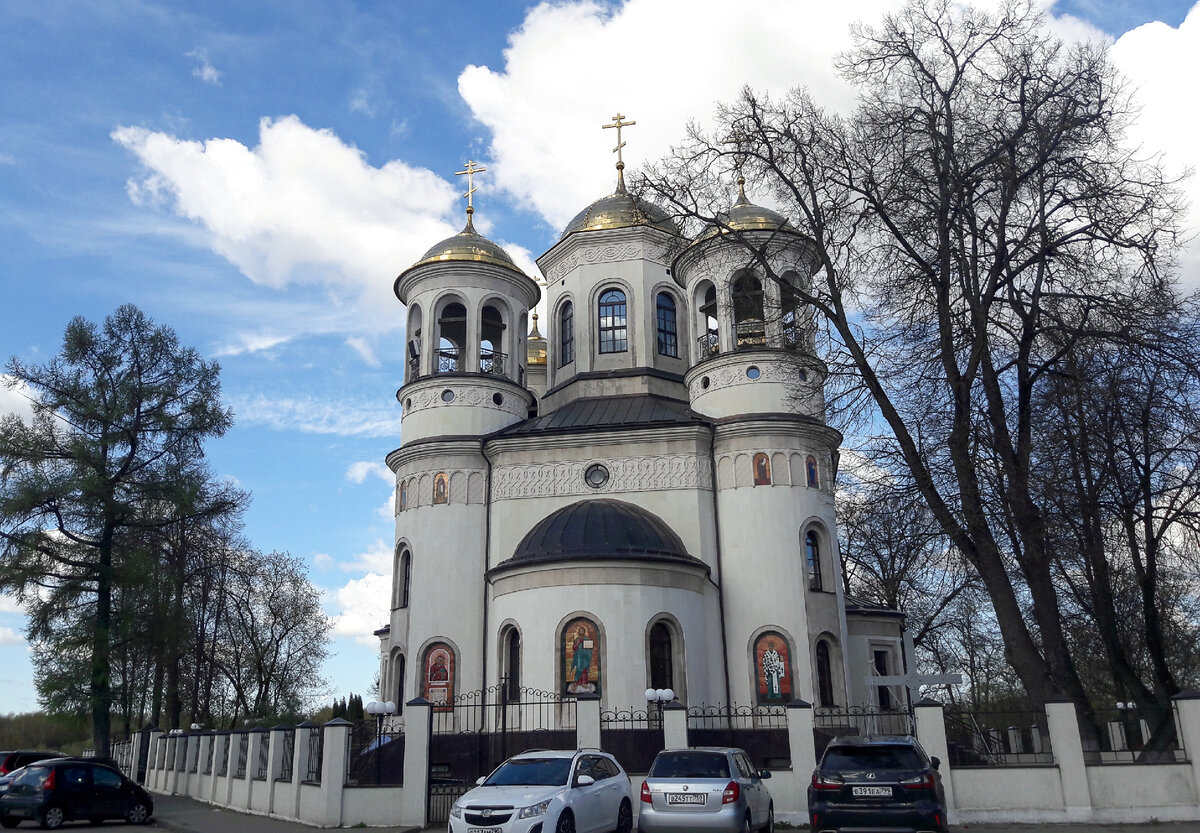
687	798
483	830
872	792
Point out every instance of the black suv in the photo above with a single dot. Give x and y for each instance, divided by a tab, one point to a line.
57	790
880	783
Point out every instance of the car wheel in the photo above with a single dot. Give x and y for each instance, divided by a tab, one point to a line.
53	818
747	825
624	818
566	823
138	813
769	827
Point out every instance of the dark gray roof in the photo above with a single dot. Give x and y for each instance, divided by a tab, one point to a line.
600	528
609	412
857	603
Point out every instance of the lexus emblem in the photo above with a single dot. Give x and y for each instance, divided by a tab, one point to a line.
870	776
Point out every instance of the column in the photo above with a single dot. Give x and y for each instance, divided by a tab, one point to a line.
675	729
1187	715
587	721
931	732
1063	725
418	730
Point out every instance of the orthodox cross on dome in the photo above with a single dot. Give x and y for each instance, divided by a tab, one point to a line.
618	122
737	138
471	170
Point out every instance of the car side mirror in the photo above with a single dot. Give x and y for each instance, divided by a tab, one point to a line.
935	761
764	774
479	781
584	781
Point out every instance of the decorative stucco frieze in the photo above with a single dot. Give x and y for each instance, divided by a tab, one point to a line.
421	489
465	395
626	474
597	254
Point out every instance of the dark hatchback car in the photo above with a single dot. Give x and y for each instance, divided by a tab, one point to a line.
14	760
877	783
58	790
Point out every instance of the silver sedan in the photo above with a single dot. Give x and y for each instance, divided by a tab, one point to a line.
705	789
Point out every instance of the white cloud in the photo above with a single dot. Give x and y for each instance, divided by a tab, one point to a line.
7	159
362	605
595	59
14	398
360	102
204	70
364	349
376	559
301	207
1163	62
9	636
9	604
322	561
313	416
357	473
387	509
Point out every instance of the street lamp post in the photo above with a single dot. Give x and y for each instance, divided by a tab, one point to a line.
379	710
656	698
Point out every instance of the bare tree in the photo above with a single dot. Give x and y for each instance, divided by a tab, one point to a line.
975	219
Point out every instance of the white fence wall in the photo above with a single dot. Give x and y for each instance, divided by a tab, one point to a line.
1067	790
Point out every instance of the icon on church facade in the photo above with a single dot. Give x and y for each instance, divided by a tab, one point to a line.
581	658
441	488
439	676
402	500
773	662
811	468
762	469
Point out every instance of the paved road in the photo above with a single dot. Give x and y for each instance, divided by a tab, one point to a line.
185	815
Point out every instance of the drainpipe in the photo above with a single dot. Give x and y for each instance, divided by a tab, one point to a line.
712	459
487	557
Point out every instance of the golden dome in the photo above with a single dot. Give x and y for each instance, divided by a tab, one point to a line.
745	216
535	346
468	245
620	209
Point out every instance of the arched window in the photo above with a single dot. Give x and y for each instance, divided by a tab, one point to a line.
614	332
400	685
452	338
566	334
491	342
812	559
412	364
668	340
661	659
405	577
512	665
709	342
748	311
810	468
789	318
824	675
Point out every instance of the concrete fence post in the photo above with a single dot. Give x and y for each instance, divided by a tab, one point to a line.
802	748
153	742
418	734
139	748
275	765
1063	725
931	732
335	760
675	728
1187	713
587	721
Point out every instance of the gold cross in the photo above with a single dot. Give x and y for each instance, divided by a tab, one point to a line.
619	123
471	170
737	138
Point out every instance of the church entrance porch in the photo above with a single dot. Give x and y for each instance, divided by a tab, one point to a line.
478	730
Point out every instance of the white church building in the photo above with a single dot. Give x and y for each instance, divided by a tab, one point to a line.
641	498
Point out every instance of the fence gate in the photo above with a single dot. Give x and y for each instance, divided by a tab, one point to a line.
477	730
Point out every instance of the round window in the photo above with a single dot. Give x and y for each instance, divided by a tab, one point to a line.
447	395
704	383
596	475
498	399
753	372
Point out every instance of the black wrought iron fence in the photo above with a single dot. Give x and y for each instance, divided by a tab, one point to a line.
225	739
449	359
316	749
243	754
180	752
289	755
632	736
376	756
997	738
709	345
209	753
760	730
194	760
264	755
493	362
1131	734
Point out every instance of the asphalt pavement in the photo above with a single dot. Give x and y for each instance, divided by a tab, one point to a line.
179	814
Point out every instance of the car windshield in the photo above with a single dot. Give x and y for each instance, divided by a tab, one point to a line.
690	765
28	780
551	772
872	757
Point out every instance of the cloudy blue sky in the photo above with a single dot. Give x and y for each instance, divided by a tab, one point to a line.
256	174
